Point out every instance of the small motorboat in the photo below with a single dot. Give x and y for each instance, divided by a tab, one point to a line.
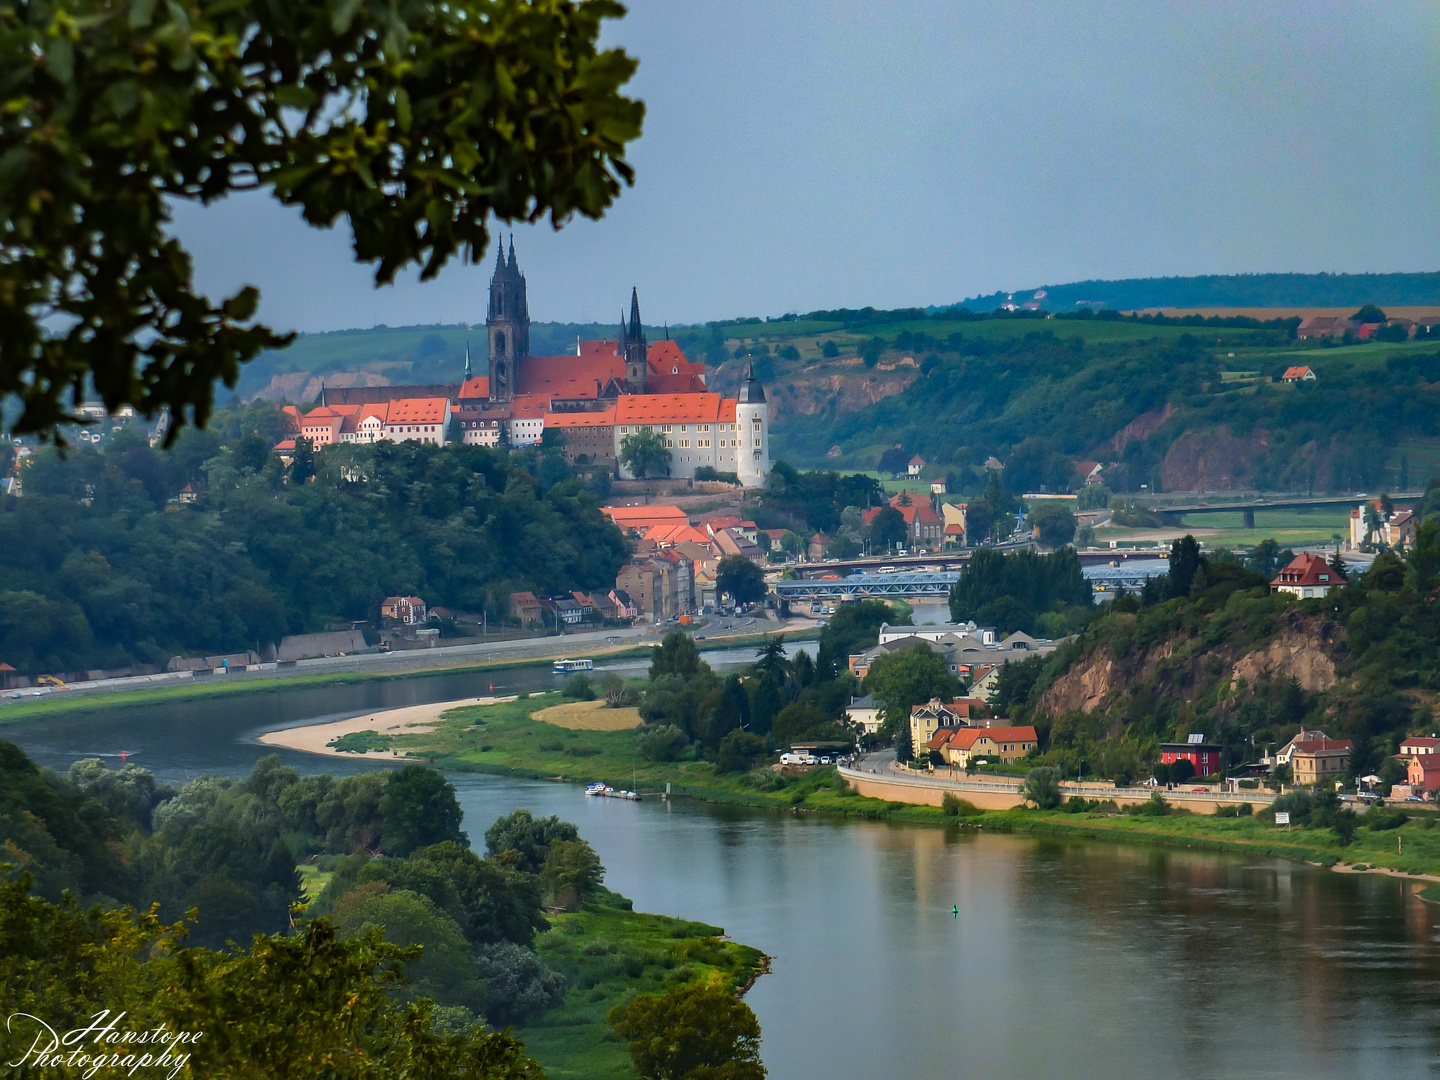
565	667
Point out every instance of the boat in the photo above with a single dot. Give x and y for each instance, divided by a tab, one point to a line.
605	791
564	667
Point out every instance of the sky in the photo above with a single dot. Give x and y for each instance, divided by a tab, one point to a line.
799	156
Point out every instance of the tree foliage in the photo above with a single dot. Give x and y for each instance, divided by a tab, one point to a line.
908	677
644	453
740	579
1017	591
419	809
99	570
308	1004
697	1032
417	122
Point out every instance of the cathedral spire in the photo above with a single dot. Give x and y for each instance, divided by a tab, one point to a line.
635	332
623	341
512	251
499	254
467	359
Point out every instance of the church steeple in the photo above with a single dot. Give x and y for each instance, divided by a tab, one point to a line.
467	359
507	323
632	344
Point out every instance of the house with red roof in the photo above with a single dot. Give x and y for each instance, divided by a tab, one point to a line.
1308	576
1322	760
924	528
1003	743
1298	374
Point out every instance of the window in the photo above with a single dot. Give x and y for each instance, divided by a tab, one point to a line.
703	427
624	431
666	429
683	427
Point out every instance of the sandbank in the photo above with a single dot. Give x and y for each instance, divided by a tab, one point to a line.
409	720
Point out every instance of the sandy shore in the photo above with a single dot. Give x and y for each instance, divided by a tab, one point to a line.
410	720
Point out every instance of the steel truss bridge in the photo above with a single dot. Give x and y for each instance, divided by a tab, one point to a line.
859	586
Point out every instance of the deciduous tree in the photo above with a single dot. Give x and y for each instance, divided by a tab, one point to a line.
696	1032
419	122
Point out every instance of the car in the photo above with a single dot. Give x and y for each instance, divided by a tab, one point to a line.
1413	798
825	759
1198	790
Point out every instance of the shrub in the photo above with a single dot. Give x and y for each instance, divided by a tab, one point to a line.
520	984
580	687
1380	820
661	742
954	806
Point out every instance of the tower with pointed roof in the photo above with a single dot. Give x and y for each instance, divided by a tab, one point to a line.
507	323
632	345
752	430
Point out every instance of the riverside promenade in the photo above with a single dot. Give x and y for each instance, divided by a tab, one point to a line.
878	777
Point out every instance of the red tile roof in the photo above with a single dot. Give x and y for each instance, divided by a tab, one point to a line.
642	517
1314	745
669	409
416	411
966	738
604	418
573	377
1309	569
529	406
1293	373
477	386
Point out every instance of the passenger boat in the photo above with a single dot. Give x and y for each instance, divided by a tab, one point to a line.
564	667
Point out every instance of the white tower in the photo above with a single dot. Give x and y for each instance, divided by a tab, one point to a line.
752	428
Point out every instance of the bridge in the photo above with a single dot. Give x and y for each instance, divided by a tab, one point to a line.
860	586
1171	515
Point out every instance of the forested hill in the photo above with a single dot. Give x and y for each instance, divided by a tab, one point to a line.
1230	290
101	568
1177	409
1209	649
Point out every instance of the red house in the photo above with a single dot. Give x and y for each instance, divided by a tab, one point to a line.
1201	754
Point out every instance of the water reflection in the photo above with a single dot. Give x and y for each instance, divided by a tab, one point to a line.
1065	959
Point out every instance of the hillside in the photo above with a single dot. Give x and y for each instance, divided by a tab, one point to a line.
1230	291
1247	668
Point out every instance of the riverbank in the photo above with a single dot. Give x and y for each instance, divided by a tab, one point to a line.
61	703
506	741
607	952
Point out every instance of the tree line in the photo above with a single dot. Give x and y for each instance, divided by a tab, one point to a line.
102	568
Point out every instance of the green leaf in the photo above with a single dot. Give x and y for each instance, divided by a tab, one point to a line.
123	97
141	12
295	97
13	164
60	59
403	114
344	14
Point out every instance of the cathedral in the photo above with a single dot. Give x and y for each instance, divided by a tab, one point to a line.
593	398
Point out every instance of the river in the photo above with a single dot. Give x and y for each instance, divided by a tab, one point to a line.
1066	959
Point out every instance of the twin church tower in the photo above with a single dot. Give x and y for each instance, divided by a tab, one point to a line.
508	326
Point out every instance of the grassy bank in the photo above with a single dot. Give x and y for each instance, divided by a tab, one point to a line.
607	952
503	739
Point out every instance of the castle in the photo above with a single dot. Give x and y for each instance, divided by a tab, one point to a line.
593	398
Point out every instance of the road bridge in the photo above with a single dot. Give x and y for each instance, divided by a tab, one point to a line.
1171	515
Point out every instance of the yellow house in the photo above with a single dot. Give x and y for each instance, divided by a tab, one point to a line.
1004	744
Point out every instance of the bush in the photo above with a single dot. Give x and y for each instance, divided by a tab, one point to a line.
580	687
521	986
662	742
954	806
1156	806
1380	820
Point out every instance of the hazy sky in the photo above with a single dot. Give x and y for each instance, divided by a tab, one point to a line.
807	155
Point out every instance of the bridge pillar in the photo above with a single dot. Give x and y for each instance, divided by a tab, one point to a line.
1249	519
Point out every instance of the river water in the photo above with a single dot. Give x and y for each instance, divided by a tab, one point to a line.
1065	959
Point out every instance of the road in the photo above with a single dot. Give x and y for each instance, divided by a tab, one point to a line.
407	661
